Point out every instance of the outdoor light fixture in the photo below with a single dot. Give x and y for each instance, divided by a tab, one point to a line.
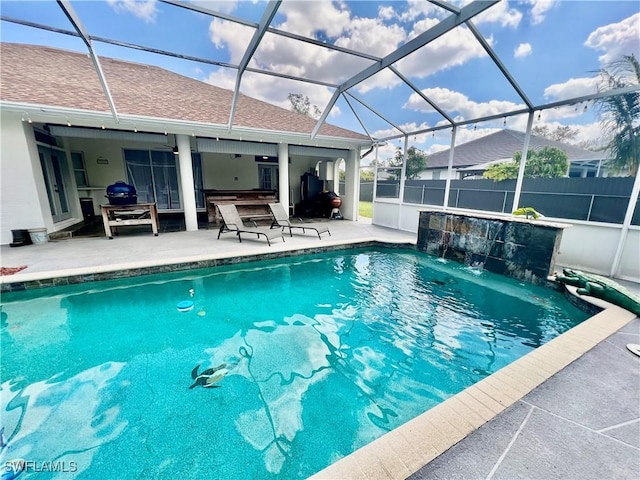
175	148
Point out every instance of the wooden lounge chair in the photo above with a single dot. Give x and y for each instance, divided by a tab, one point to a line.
231	222
282	220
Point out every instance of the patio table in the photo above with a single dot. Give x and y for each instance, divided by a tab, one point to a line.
127	215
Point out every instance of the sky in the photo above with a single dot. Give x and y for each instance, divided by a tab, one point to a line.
553	49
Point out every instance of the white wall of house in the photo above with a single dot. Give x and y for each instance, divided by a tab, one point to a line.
23	198
223	171
104	162
437	174
588	246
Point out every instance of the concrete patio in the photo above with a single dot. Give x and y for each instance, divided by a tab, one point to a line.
569	410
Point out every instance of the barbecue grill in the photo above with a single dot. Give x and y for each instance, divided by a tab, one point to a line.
120	193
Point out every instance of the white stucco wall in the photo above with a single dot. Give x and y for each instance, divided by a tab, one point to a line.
630	262
22	203
592	247
429	174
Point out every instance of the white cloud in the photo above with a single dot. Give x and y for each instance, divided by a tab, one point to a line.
616	39
502	14
233	36
540	9
453	49
465	108
273	90
420	8
522	50
144	9
329	17
222	6
371	36
572	88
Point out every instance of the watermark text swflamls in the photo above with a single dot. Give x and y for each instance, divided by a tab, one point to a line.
18	465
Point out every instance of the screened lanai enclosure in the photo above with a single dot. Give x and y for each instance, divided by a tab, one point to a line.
374	83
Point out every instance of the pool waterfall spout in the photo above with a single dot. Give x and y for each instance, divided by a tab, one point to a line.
521	248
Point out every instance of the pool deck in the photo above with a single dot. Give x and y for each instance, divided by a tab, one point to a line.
570	409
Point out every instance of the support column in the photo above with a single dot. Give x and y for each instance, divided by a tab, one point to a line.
350	201
283	175
403	175
523	163
187	183
447	185
631	206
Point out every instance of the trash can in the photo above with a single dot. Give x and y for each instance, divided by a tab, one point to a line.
38	235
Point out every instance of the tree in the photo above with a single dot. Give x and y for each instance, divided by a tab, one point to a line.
548	162
620	114
301	104
366	175
562	133
416	161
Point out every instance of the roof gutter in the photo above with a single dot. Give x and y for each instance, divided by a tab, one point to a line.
103	119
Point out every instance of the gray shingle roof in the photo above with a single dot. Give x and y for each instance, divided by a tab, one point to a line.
48	76
500	145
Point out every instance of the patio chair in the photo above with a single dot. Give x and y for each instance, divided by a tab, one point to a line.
281	219
231	222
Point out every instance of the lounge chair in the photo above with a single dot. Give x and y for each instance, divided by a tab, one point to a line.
282	220
231	222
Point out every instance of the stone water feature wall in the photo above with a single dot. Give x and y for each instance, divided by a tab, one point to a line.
512	246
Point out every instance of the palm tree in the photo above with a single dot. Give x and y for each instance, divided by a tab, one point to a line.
620	119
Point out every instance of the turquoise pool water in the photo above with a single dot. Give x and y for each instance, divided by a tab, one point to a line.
323	354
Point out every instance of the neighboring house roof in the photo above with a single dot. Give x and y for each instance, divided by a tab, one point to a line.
61	78
503	144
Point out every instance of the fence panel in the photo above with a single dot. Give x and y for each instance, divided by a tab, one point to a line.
593	199
366	191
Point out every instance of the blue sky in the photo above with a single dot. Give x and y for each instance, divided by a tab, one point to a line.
551	48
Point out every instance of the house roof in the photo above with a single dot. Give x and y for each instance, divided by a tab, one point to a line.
47	76
503	144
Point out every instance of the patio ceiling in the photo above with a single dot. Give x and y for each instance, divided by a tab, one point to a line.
358	77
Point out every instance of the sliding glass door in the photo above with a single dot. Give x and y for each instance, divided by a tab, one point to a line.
55	172
155	176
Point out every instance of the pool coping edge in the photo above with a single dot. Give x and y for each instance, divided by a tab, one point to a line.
403	451
30	281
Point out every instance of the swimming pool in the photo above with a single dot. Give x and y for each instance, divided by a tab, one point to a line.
322	354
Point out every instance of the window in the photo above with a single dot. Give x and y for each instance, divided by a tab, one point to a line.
155	176
79	169
268	177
